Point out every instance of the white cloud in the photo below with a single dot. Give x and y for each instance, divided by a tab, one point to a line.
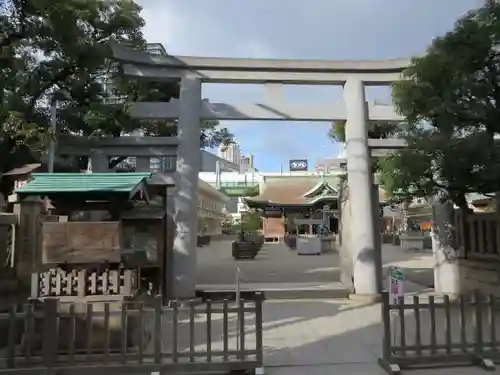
317	29
255	49
164	24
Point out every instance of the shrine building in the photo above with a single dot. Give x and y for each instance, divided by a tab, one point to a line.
304	204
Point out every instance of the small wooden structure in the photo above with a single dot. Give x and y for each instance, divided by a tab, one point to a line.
17	178
105	239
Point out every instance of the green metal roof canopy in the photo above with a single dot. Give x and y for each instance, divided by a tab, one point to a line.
85	184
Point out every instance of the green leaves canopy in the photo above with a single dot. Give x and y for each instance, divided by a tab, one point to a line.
450	97
51	45
376	130
251	221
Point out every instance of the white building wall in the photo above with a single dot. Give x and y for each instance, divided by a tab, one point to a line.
230	177
230	152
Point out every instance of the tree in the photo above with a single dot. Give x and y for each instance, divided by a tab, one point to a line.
52	45
450	98
251	221
49	46
380	165
376	130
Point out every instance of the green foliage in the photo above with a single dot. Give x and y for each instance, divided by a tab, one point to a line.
250	221
252	191
376	130
48	46
450	97
51	46
337	131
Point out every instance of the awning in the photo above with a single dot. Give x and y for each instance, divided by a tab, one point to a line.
85	185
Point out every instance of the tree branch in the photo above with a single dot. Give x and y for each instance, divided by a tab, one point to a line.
113	163
7	40
61	76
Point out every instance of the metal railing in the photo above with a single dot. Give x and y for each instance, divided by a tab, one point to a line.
132	337
231	184
430	330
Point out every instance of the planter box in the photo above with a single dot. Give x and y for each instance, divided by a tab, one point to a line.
412	241
257	238
203	240
290	241
309	246
328	244
244	249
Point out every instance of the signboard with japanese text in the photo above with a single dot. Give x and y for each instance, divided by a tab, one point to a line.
396	284
296	165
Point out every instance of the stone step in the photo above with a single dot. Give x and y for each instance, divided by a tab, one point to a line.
277	291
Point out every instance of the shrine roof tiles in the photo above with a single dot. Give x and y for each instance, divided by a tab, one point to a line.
292	193
55	183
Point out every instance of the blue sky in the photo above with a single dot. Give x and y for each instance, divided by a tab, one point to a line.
313	29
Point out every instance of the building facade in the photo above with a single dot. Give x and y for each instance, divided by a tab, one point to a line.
289	201
232	184
211	209
208	163
231	153
327	165
247	163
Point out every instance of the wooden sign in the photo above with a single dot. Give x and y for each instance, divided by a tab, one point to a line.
141	241
81	242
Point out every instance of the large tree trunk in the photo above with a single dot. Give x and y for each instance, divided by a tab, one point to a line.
446	268
404	212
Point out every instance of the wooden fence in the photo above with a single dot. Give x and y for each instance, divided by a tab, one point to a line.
70	338
69	286
483	240
427	331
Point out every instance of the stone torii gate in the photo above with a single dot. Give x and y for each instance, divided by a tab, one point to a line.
190	110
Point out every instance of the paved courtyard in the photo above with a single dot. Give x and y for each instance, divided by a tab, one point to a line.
320	337
316	336
276	264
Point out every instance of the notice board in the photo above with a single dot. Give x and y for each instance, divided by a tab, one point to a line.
81	242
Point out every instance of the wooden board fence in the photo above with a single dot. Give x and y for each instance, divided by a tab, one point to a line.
136	337
435	331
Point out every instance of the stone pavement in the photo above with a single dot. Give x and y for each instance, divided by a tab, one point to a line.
417	265
317	337
275	263
277	267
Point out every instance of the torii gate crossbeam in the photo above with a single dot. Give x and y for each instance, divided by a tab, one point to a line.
191	109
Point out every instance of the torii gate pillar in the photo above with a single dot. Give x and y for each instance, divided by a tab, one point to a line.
359	180
186	197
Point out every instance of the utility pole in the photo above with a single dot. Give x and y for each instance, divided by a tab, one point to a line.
63	95
53	128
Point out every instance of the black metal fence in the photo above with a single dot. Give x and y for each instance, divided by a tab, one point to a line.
131	337
431	331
